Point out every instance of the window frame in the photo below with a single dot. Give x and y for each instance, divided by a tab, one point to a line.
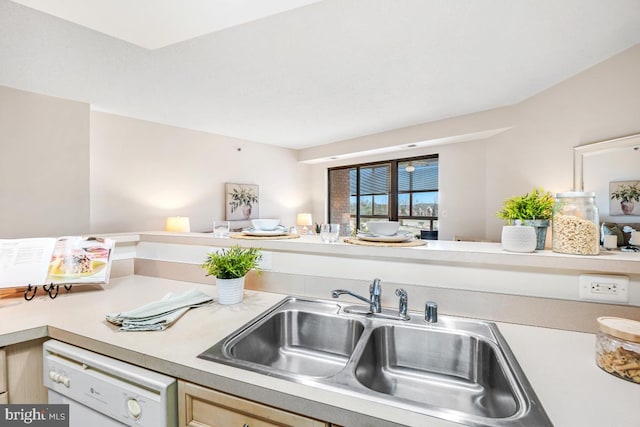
393	213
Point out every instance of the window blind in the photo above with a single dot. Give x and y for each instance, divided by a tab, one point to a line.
373	180
423	178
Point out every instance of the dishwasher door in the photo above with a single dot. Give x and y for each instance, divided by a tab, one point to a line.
101	391
80	415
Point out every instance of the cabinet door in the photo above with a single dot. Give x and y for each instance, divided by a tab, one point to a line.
4	396
3	371
24	372
199	406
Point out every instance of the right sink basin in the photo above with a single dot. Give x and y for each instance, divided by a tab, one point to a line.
438	368
457	369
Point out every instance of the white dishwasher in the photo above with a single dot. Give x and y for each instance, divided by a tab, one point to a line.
104	392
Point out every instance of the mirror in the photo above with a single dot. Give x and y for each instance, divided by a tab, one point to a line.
599	164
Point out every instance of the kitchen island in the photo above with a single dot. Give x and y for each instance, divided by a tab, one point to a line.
559	364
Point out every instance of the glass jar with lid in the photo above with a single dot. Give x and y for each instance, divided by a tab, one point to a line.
618	347
575	222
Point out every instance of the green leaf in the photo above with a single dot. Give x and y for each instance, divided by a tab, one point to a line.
232	263
535	205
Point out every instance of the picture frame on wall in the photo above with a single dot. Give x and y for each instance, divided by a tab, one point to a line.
624	198
242	201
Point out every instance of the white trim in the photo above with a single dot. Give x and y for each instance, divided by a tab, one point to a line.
581	151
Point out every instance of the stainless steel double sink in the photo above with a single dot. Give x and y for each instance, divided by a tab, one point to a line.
456	369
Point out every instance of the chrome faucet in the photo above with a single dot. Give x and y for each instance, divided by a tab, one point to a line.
375	290
403	303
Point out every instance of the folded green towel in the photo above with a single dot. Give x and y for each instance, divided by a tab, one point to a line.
159	315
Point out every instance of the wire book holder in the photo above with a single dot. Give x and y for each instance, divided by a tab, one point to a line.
51	289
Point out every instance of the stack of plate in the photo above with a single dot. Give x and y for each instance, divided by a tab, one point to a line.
400	236
278	231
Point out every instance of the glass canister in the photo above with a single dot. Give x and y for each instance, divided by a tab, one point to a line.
576	227
618	347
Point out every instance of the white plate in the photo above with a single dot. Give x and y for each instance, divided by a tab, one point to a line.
395	238
280	231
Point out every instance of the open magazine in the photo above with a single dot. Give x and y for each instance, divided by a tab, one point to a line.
65	260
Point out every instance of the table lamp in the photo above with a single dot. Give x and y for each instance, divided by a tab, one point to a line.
178	224
304	219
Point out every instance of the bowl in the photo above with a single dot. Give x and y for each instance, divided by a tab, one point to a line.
265	224
383	228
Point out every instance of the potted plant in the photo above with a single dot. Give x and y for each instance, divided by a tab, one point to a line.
627	194
230	266
534	209
243	198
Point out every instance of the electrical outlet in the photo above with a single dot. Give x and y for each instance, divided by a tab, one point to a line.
604	288
266	262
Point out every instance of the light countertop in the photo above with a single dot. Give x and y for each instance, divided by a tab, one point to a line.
434	251
559	364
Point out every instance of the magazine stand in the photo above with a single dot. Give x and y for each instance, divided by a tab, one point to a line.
51	289
51	262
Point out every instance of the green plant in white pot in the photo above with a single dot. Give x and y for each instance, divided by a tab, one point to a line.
230	266
534	209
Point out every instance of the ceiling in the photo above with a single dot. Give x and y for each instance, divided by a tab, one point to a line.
153	24
302	73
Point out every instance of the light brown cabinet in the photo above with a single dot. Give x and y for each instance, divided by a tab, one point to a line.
3	377
200	407
23	370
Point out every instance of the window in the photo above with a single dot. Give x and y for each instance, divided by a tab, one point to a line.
404	190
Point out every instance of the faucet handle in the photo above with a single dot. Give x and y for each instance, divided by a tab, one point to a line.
431	312
375	288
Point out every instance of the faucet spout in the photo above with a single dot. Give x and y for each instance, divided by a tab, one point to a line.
375	290
337	292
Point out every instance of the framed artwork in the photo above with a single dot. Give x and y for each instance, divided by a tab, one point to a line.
241	201
624	198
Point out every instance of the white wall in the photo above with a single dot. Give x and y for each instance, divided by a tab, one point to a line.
142	172
537	149
461	181
600	103
44	165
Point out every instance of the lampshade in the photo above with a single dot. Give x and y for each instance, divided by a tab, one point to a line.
410	168
304	219
178	223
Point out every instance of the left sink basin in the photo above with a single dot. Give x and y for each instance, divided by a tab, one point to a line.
290	339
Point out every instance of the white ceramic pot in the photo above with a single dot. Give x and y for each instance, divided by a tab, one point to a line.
230	290
519	238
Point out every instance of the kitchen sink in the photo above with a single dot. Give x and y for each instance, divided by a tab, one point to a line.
457	369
